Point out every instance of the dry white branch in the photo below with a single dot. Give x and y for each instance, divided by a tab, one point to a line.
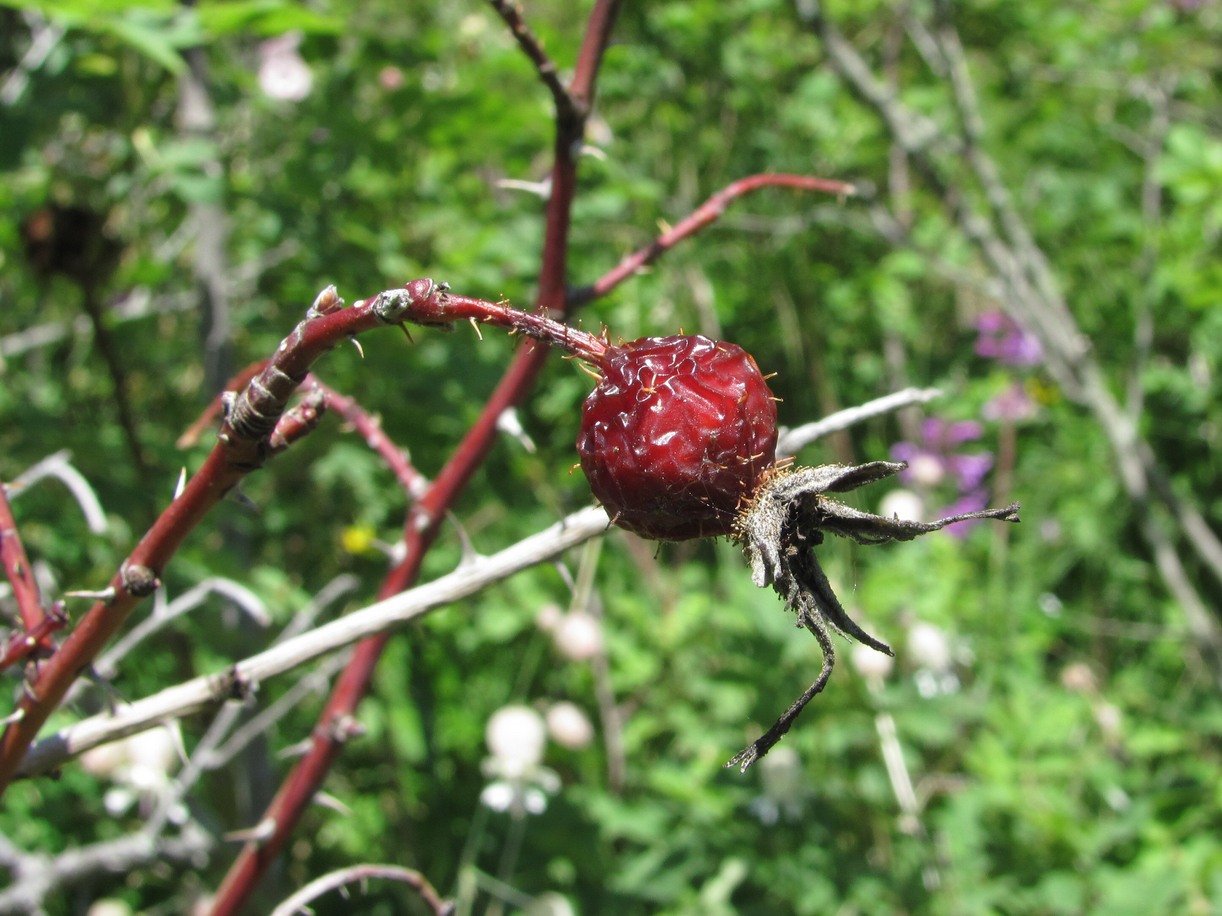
164	612
299	902
958	168
244	677
59	466
35	876
792	440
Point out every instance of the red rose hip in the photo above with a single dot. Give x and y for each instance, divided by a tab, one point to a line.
678	433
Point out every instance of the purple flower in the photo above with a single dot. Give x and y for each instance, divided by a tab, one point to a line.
969	470
975	501
1003	339
936	458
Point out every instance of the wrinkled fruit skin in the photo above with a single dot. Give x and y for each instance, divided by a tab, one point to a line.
679	431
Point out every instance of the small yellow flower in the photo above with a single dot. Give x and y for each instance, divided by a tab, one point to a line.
358	539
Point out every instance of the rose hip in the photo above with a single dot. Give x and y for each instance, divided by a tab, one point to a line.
677	435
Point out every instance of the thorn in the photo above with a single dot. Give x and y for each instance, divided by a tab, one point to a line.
478	332
182	483
541	189
106	594
403	328
243	500
344	728
468	553
258	834
589	370
15	716
359	349
327	800
771	375
296	750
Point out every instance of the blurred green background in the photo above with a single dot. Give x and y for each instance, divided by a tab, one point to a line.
1047	740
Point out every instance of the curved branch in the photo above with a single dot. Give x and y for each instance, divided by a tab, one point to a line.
793	440
299	902
425	517
385	616
245	441
698	219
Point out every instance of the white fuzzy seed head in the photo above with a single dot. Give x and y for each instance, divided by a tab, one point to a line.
569	726
579	636
872	665
902	504
929	647
516	737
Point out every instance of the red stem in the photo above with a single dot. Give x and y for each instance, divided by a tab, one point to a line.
241	448
573	341
298	421
37	638
17	567
243	444
370	427
423	521
702	216
216	407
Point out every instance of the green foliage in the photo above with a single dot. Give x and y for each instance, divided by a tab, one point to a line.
1064	759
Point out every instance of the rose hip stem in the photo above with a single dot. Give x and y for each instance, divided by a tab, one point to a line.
243	445
418	303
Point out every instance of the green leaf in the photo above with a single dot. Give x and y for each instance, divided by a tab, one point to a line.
265	18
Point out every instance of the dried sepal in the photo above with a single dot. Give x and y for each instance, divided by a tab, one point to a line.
778	532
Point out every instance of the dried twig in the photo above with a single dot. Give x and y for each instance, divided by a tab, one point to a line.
698	219
299	902
1030	292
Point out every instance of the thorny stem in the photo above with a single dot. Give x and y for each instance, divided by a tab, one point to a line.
300	901
298	421
423	521
255	427
698	219
37	639
17	567
448	309
208	416
370	428
242	447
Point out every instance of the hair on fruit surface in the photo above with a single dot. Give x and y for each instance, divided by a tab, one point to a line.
677	435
